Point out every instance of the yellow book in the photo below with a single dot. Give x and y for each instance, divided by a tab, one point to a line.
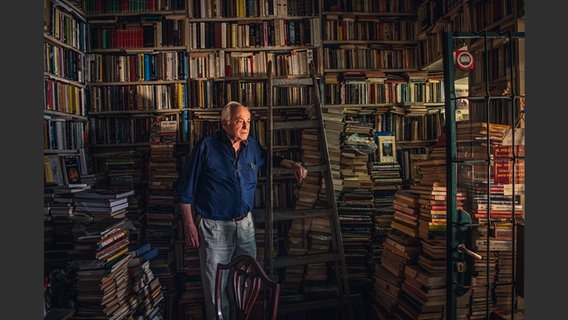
141	73
117	254
48	171
179	94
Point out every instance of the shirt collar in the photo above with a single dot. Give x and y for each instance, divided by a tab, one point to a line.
223	135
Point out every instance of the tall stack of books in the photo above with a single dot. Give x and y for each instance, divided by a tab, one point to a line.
333	123
146	292
498	207
319	241
400	247
296	245
126	170
159	221
309	190
356	202
356	211
101	265
386	181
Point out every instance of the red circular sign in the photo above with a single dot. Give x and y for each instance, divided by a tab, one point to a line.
464	59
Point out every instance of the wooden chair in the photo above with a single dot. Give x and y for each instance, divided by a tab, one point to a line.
245	282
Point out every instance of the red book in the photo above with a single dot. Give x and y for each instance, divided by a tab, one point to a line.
503	172
506	152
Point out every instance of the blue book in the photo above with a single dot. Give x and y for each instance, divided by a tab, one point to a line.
147	67
185	130
146	256
149	255
140	251
185	66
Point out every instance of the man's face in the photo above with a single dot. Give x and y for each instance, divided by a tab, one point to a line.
238	127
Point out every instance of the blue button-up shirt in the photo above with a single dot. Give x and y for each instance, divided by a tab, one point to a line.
219	185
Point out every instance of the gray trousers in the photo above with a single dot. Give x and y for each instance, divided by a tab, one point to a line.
220	242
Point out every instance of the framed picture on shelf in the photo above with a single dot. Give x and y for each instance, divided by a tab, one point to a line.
387	149
71	169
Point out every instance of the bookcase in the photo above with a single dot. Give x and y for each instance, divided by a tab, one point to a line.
138	68
65	110
64	117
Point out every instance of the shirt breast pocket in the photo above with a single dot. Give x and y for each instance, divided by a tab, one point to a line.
250	172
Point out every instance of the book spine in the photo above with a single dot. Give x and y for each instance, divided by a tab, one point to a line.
140	251
112	238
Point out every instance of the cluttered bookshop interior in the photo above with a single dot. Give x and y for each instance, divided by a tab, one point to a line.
408	115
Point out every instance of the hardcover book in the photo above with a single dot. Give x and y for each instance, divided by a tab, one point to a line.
56	169
387	149
72	170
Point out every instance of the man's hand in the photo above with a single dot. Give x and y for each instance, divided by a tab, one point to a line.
191	235
299	172
189	230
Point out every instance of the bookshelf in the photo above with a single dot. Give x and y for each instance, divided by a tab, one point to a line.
231	46
138	69
65	109
435	18
65	121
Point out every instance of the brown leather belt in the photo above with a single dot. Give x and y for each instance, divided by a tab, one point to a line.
237	219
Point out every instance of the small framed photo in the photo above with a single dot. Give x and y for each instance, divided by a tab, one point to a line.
71	169
387	149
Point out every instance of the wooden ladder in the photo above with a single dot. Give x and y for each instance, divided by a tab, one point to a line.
316	219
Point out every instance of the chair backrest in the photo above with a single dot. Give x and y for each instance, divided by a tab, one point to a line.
245	282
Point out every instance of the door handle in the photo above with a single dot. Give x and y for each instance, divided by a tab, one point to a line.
461	248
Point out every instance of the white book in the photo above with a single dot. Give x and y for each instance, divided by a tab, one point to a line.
222	63
281	8
223	34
